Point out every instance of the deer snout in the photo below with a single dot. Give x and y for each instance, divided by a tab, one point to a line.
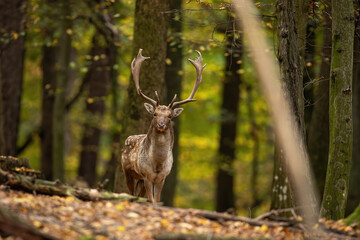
161	125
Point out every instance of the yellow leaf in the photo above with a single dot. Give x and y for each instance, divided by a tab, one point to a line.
69	31
164	223
90	100
37	224
168	61
15	35
119	207
264	228
121	228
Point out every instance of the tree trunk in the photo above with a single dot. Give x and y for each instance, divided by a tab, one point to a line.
59	112
340	111
48	91
254	133
354	190
150	31
99	79
11	72
229	109
318	134
173	79
291	76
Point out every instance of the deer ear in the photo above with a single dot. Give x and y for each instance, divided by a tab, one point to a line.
176	112
149	108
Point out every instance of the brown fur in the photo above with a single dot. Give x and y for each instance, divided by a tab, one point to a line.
147	159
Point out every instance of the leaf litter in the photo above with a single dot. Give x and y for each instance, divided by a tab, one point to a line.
71	218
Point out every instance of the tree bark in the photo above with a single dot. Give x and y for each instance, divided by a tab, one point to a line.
291	76
225	198
354	190
48	96
318	134
98	83
173	79
340	111
150	31
12	17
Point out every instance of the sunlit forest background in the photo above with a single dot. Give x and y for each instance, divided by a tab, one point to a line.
203	30
204	27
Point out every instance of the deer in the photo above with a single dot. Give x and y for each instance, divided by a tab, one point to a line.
147	159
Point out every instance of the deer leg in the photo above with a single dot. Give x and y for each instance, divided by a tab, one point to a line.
140	189
157	189
130	183
149	190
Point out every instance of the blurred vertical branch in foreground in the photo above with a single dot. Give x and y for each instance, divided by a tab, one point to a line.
279	105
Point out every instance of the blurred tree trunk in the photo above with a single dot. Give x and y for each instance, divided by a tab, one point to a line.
109	174
229	115
340	114
306	43
150	31
308	75
254	133
354	190
291	76
59	112
48	91
104	24
98	81
318	134
173	79
12	19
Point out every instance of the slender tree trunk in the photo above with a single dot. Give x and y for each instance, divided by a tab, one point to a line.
340	114
99	79
59	111
48	93
225	198
150	31
12	15
318	134
308	76
354	190
254	133
291	75
173	79
109	174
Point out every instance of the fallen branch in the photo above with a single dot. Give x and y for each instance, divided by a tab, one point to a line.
32	185
183	236
12	225
226	217
9	163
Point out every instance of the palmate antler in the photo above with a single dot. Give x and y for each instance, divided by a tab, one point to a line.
135	70
199	68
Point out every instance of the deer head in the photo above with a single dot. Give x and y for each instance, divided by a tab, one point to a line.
162	113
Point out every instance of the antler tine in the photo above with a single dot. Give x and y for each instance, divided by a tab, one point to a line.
199	68
135	70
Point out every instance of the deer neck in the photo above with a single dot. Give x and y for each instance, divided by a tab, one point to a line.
159	144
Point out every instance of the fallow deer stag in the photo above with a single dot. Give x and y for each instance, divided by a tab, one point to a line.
147	158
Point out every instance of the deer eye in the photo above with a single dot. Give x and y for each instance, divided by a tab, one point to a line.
155	114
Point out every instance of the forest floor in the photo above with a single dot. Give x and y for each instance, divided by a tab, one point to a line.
71	218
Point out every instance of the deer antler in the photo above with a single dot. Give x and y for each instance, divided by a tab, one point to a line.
135	70
199	68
